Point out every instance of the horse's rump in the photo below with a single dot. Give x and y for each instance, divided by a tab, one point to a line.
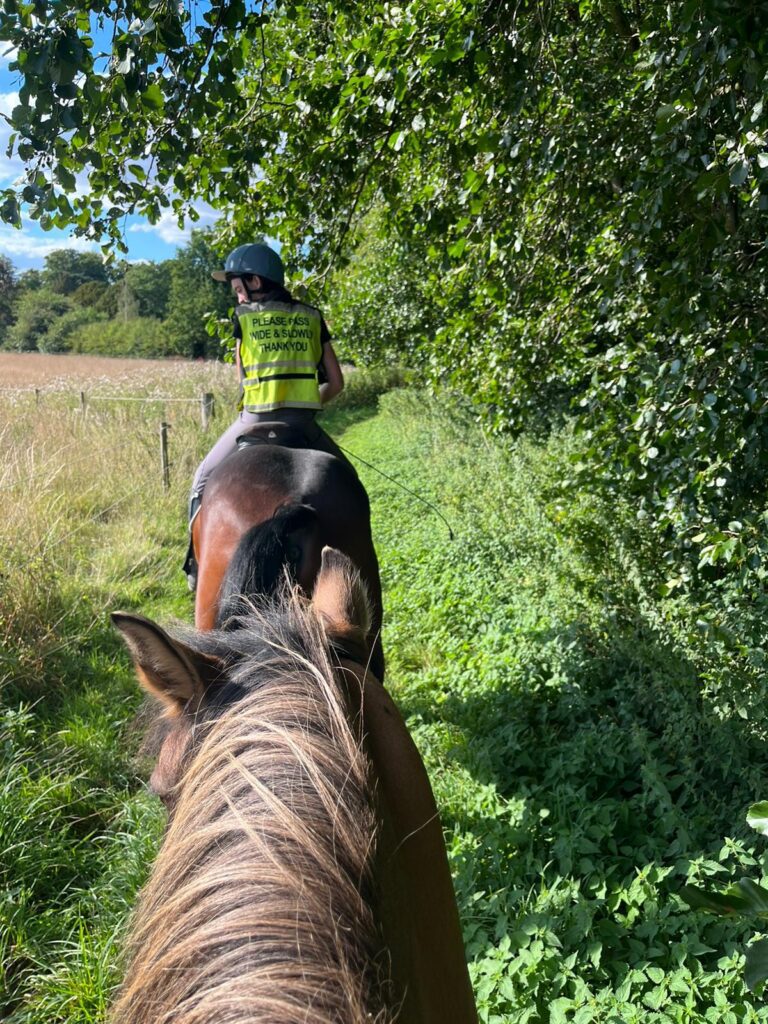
260	483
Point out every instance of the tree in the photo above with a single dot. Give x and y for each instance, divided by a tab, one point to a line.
96	295
586	185
62	333
150	283
34	319
30	281
66	270
377	309
8	288
127	303
194	297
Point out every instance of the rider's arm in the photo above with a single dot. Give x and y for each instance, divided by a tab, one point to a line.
334	378
237	331
241	296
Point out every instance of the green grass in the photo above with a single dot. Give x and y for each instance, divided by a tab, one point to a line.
583	772
583	775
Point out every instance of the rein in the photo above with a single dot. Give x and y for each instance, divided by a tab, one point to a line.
402	487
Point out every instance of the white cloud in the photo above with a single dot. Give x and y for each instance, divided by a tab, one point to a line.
168	229
8	100
32	248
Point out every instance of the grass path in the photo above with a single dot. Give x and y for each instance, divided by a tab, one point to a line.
581	775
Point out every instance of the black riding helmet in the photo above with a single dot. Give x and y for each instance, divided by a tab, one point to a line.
252	259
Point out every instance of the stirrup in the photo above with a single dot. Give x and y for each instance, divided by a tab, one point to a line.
190	562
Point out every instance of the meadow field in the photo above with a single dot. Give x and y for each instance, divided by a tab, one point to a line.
584	769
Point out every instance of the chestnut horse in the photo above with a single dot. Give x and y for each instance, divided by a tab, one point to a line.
302	499
303	874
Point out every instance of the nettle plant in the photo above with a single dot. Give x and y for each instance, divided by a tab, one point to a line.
745	899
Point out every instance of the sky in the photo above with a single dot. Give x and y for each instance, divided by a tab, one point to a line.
28	247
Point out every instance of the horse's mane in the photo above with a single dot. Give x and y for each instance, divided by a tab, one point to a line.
259	904
262	557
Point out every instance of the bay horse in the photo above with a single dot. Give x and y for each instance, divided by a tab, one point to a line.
303	875
300	499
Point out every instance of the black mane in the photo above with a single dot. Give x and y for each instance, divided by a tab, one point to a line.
265	555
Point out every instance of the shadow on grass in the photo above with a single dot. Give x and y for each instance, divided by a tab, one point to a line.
604	778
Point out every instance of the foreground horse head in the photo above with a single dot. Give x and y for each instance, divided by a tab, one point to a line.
303	875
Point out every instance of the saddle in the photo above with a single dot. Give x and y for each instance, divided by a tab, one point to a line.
286	435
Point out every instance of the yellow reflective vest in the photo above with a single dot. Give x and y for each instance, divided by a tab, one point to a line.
280	351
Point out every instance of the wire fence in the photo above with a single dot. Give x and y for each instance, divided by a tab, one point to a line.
205	402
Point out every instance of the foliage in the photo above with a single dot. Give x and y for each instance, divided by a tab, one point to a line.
150	283
743	899
97	296
66	270
36	312
583	773
143	337
8	287
87	527
30	280
178	292
62	333
377	310
364	386
127	303
583	188
194	297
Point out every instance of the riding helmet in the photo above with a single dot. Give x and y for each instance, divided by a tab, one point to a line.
254	258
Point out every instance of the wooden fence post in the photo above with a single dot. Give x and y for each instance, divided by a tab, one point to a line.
83	405
37	397
164	463
207	409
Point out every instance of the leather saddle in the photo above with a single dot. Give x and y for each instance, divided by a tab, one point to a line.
286	435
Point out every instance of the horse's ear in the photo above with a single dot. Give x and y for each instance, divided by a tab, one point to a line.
340	597
165	667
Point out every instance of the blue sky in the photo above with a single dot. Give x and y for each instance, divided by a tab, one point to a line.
28	247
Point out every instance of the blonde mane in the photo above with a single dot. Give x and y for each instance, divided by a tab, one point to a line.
259	906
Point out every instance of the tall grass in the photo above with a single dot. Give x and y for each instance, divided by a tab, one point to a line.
86	527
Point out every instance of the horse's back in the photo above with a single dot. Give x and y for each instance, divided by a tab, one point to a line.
251	485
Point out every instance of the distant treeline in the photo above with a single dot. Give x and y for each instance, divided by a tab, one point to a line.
79	303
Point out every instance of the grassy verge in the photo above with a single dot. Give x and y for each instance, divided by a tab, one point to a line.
584	775
582	771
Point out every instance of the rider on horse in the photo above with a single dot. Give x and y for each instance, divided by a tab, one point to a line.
286	363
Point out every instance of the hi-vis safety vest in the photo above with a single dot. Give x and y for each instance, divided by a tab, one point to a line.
280	350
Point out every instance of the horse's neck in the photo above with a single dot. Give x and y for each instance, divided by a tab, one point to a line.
417	909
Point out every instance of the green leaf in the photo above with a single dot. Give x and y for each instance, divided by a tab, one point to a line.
756	895
714	902
124	66
9	210
396	141
152	97
66	177
757	817
756	967
739	173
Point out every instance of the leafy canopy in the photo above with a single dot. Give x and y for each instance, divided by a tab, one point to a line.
585	185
